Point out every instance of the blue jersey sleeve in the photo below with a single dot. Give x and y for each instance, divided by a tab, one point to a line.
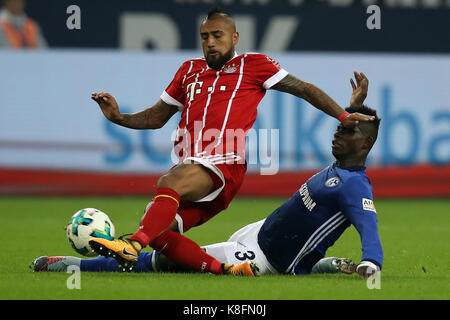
356	202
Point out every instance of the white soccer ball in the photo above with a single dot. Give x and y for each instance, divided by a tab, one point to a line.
86	224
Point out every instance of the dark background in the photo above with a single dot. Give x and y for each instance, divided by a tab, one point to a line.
406	25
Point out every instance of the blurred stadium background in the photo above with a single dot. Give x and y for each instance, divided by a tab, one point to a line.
55	141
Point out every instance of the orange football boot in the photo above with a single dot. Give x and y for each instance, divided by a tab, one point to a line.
245	269
124	251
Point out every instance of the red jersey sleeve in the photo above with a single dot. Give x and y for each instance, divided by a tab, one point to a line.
266	71
174	93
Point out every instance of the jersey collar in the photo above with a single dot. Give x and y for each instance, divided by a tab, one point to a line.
351	168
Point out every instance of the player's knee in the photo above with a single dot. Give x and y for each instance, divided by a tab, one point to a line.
173	178
191	181
176	182
165	181
179	178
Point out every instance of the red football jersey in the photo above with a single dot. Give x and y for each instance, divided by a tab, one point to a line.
219	107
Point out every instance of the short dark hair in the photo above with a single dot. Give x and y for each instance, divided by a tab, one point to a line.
215	12
370	112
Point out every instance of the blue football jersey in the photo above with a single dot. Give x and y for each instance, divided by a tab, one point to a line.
297	234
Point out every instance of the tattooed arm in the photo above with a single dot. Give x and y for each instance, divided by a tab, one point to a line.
310	93
151	118
317	98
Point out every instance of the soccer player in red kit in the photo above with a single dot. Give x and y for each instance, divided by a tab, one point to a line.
218	97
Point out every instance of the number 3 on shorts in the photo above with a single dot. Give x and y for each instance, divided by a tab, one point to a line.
248	255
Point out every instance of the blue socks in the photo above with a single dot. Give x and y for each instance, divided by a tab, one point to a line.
102	264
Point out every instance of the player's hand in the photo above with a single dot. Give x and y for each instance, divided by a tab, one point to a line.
350	269
108	105
353	119
366	269
360	89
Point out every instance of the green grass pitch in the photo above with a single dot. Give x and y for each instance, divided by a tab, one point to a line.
415	235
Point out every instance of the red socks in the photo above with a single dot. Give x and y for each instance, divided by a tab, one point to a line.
178	248
184	251
158	217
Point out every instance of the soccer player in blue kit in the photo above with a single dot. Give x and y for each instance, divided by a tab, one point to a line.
297	234
294	238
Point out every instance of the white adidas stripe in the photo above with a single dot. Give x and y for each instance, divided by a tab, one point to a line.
229	159
318	235
189	103
238	84
335	224
222	158
187	110
205	111
189	70
313	246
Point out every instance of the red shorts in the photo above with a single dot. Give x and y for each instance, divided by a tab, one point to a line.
227	179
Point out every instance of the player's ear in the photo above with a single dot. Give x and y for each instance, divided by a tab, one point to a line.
235	38
368	142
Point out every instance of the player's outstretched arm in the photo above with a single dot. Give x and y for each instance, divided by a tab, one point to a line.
359	90
319	99
154	117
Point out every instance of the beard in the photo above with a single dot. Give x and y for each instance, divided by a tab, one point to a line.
217	63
